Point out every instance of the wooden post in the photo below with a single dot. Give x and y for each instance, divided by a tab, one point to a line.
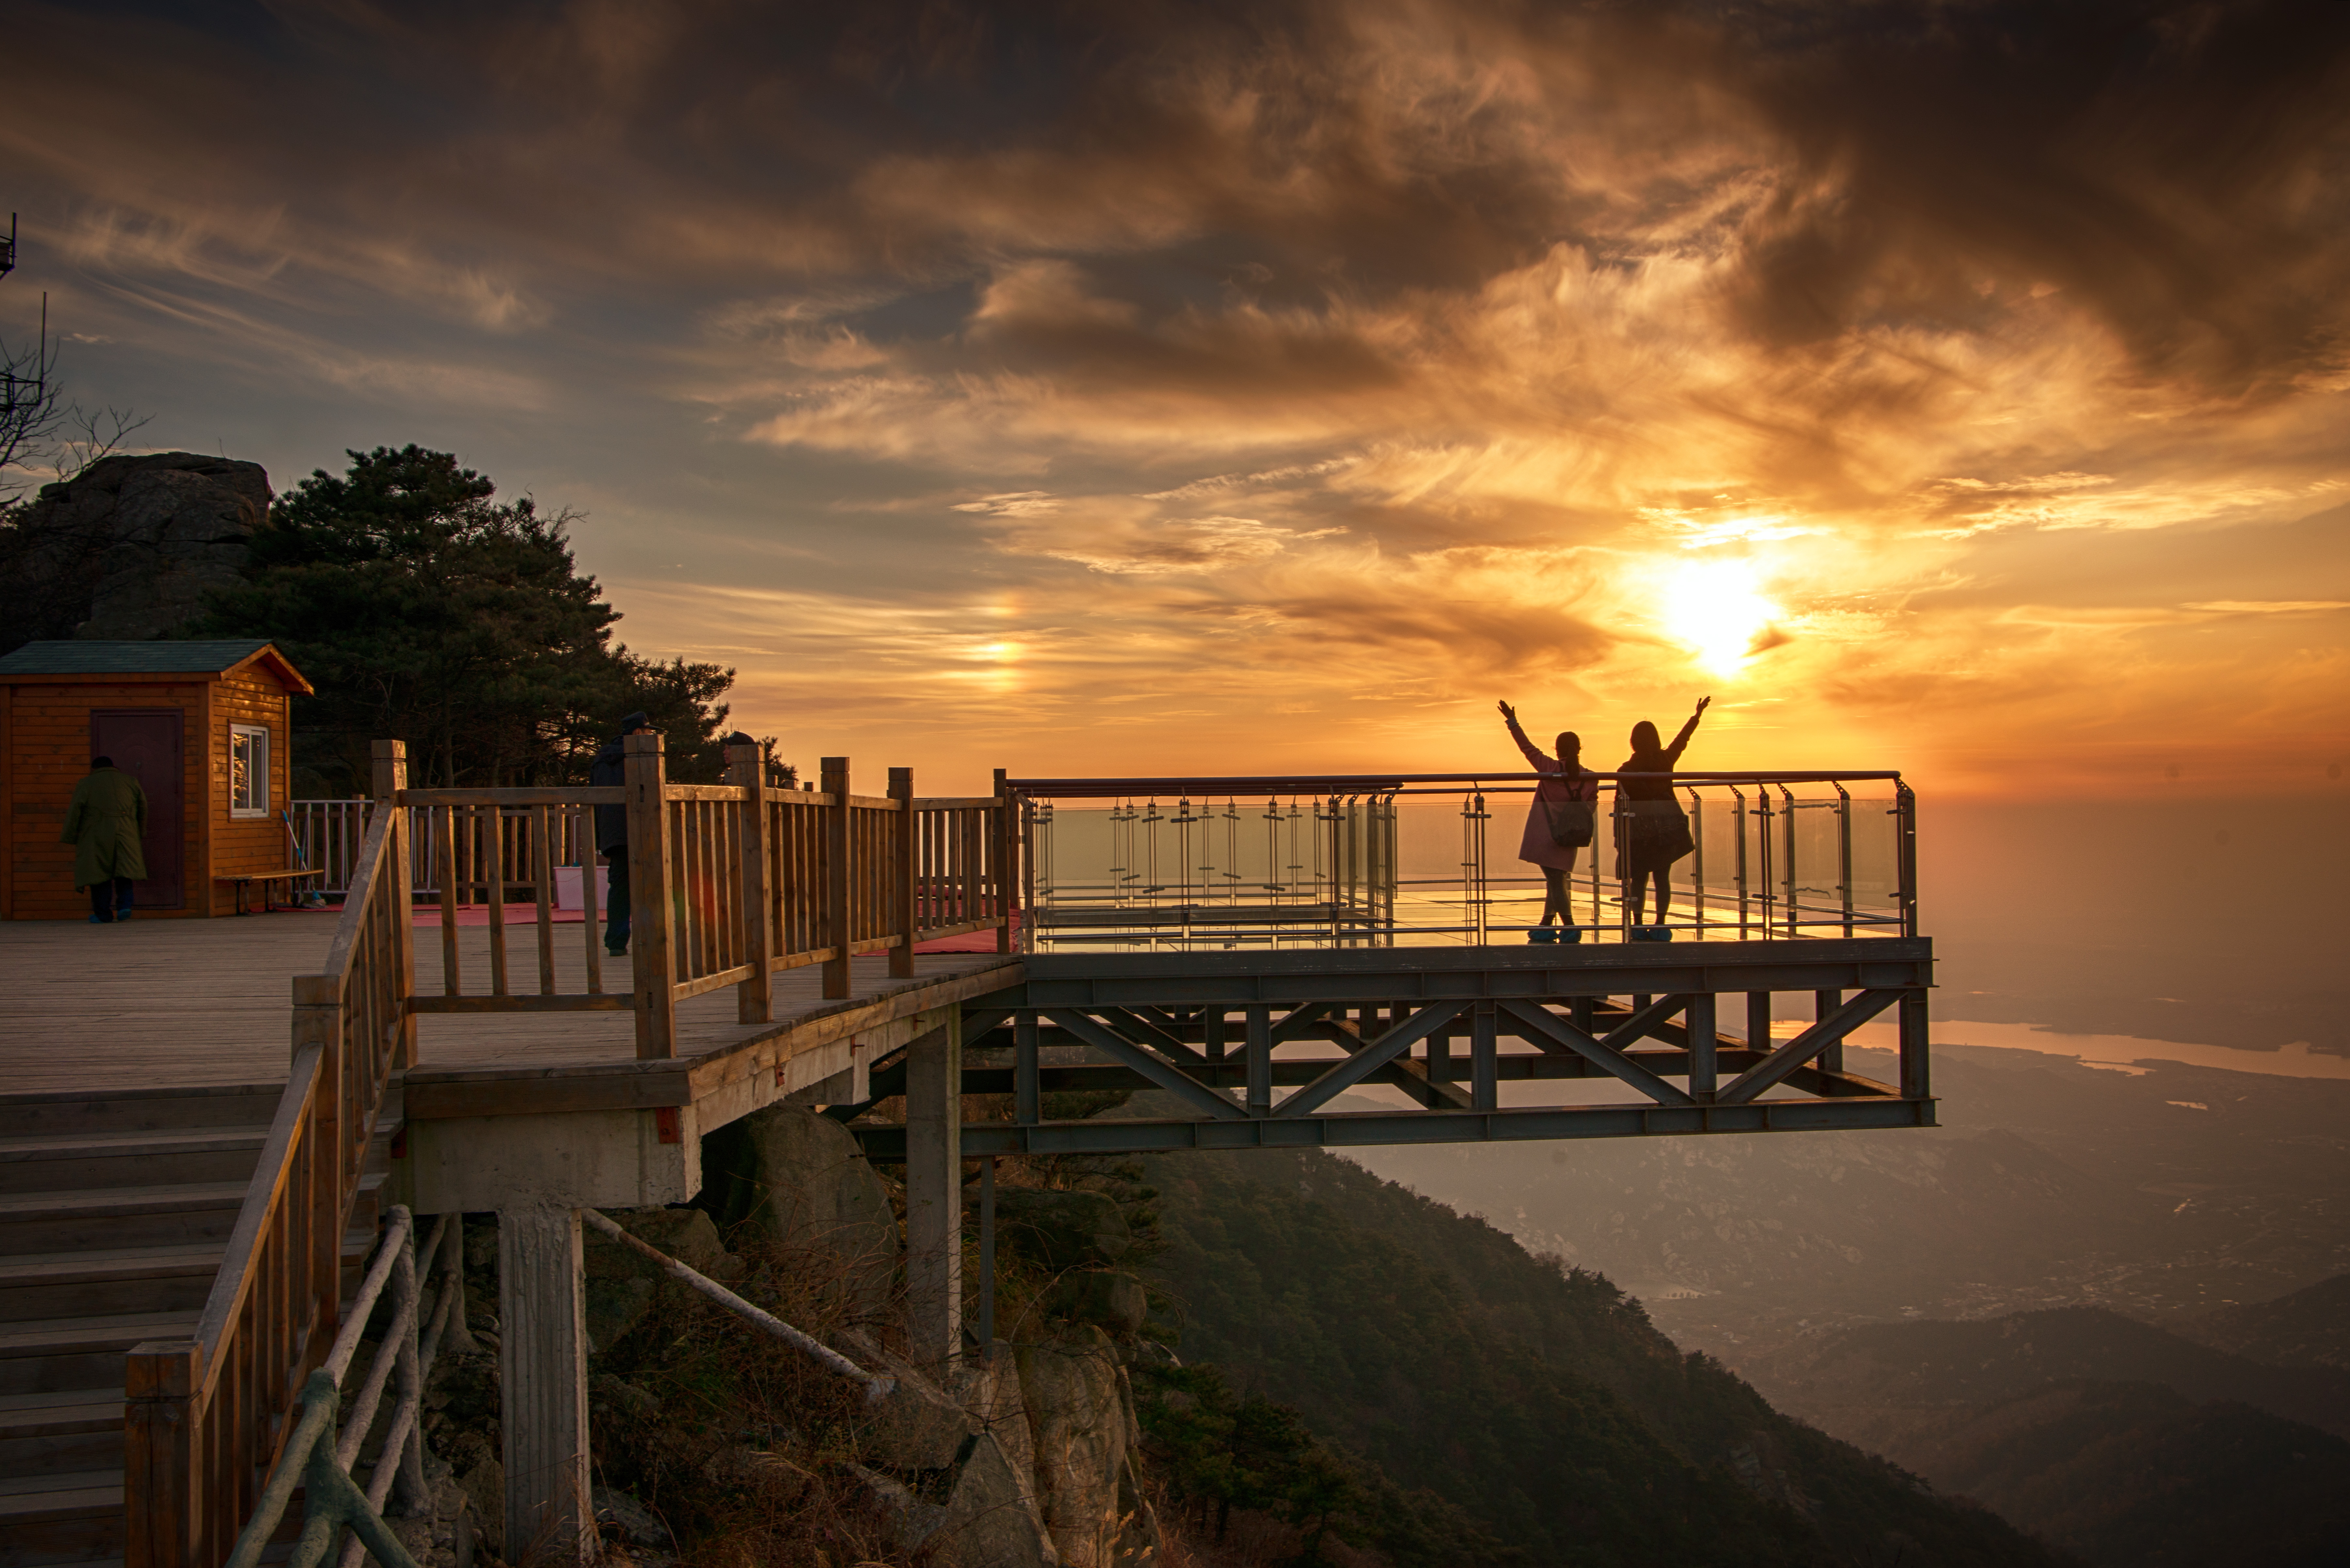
318	1021
999	856
837	875
543	1386
934	1192
1701	1026
649	902
160	1458
746	768
391	778
900	877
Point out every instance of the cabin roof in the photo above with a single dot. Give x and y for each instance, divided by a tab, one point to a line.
148	660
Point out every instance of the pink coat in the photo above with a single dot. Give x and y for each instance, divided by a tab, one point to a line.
1537	846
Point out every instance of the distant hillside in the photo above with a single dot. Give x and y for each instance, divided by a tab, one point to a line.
2132	1475
2308	1328
2107	1437
1916	1365
1540	1401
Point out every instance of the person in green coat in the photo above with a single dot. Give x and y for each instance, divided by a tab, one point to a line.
105	824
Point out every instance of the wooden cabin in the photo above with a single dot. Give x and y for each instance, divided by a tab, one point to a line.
203	728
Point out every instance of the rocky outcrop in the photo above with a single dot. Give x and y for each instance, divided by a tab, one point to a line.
801	1178
129	548
1083	1433
1062	1230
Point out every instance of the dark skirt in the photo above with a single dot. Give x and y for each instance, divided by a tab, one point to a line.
1649	836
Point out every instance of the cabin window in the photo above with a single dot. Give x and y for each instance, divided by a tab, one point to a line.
248	771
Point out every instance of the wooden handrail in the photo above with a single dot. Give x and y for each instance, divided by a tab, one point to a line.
205	1417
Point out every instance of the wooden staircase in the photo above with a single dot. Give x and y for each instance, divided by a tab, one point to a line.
115	1212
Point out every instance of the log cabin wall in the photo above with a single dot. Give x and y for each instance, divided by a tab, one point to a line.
53	695
250	696
47	753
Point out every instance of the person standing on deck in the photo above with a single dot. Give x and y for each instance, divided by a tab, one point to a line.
1557	824
612	833
106	823
1652	831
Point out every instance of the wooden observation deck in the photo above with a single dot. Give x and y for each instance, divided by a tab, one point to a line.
183	1199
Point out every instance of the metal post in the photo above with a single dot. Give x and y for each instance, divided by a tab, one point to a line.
1738	822
1824	1004
1028	1101
1844	853
1485	1071
1906	805
1699	1025
1917	1080
987	1258
1260	1060
1697	859
1787	833
1000	880
1758	1021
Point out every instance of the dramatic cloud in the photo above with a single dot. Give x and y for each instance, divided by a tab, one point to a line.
1955	384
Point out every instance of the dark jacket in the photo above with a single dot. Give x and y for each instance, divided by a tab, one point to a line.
611	821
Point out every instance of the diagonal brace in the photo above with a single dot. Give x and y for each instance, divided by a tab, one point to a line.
1137	1026
1404	1073
1609	1058
1371	1058
1166	1076
1775	1068
1298	1023
1636	1027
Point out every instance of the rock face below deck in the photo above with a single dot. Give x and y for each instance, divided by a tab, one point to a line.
801	1179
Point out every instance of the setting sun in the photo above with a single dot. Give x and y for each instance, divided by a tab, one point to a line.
1717	609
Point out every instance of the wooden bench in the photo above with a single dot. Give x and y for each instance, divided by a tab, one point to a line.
244	880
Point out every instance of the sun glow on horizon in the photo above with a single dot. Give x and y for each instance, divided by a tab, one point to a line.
1718	609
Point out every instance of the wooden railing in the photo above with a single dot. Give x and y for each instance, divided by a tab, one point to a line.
203	1418
728	884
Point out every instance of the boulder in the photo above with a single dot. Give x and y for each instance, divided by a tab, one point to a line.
618	1281
1077	1425
127	550
1113	1301
989	1521
1061	1229
801	1179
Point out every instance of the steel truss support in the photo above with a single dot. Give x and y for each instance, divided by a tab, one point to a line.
1224	1033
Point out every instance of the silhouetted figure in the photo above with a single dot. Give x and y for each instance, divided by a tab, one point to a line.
612	835
1559	823
106	823
1651	829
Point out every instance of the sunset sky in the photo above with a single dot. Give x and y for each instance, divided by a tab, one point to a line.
1960	387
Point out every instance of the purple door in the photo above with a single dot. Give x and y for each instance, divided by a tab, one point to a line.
145	743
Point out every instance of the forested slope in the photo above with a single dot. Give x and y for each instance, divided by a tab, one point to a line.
1540	1401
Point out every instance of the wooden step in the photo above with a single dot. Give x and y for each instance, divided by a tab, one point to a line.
53	1354
76	1429
66	1516
114	1279
74	1162
56	1221
68	1111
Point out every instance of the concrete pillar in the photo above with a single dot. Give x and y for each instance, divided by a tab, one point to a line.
543	1387
934	1192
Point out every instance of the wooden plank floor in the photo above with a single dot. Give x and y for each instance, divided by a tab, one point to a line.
162	1003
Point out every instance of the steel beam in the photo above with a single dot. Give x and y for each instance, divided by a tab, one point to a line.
1164	1073
1364	1129
1768	1073
1368	1059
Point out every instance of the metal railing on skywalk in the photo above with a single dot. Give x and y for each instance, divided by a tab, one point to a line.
1416	859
